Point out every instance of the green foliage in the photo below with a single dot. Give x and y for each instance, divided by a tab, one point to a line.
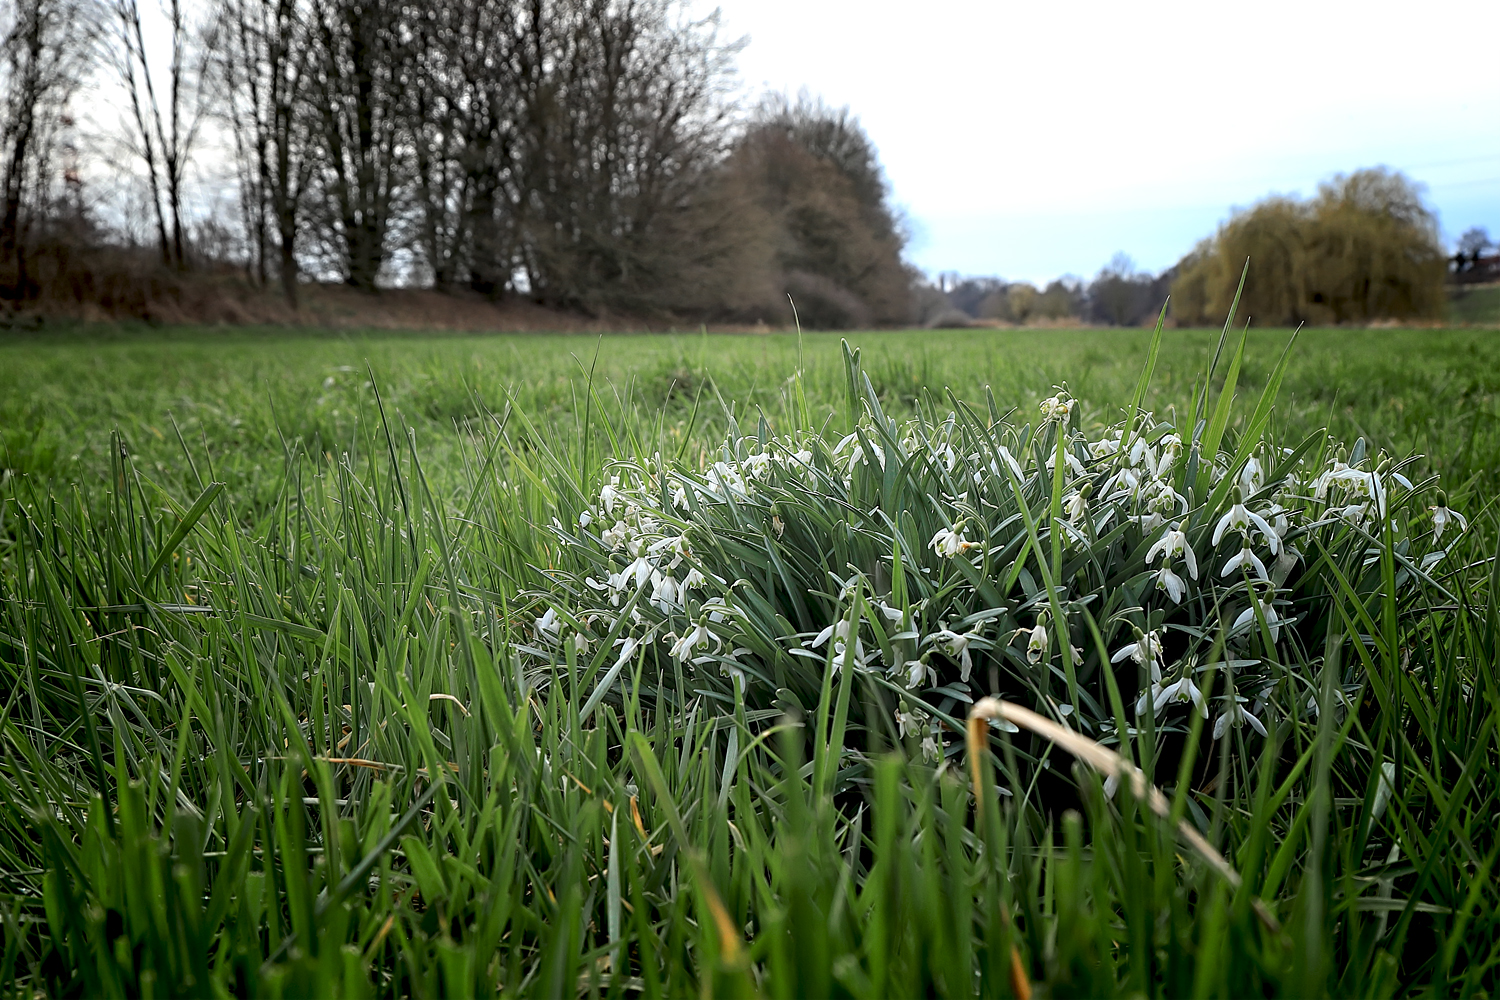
1366	248
276	738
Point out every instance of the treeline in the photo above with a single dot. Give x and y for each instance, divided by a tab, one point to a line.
584	154
1365	248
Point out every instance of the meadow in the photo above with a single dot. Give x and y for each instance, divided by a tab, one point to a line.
656	664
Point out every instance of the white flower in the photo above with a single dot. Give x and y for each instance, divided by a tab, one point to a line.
1268	610
580	643
1250	477
666	595
910	721
1076	506
957	647
1058	407
1149	698
1366	484
679	495
1171	451
548	628
1171	544
1237	716
1183	690
931	750
1442	514
1036	647
1173	584
693	580
698	635
1146	651
1245	557
1241	518
585	519
1010	460
917	671
950	542
629	645
615	537
608	494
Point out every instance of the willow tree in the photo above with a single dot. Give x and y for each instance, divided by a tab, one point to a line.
1366	248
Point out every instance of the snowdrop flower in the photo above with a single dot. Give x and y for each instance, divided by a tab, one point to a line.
693	580
1036	647
957	647
931	751
1241	518
1171	544
1174	585
1071	460
1245	557
1171	451
1058	407
910	721
698	635
585	519
548	628
731	668
1443	515
950	542
609	493
1250	477
917	672
759	464
1237	716
1010	460
580	643
1268	609
1183	690
615	537
679	495
1149	699
666	595
1076	505
1146	651
1366	484
1105	447
629	645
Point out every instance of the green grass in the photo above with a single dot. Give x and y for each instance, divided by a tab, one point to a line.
1477	305
344	778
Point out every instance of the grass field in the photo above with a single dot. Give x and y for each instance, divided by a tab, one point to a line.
323	671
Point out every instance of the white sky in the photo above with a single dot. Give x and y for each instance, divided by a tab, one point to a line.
1032	140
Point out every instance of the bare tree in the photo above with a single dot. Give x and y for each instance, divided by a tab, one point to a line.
360	66
45	52
261	69
163	140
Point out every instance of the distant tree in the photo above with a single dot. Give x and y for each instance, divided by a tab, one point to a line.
1063	298
835	243
1365	248
166	109
46	50
1474	241
260	70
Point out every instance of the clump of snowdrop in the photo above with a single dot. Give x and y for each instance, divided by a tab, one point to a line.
905	554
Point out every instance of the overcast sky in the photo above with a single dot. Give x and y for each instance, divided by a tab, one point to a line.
1029	140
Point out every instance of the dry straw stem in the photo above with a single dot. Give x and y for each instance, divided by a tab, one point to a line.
1106	762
